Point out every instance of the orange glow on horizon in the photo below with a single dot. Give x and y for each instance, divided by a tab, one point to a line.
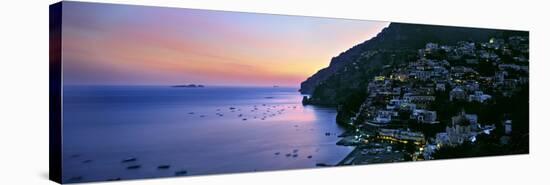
203	47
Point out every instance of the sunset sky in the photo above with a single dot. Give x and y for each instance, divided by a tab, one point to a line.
140	45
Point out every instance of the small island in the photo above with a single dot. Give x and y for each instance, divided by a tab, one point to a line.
190	86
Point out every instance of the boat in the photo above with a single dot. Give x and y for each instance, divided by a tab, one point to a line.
181	172
322	165
131	159
163	167
133	167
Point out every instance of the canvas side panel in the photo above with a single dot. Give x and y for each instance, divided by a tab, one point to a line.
55	133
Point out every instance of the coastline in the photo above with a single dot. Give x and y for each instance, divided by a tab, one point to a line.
351	156
370	150
345	141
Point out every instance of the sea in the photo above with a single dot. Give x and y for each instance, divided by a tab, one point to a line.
133	132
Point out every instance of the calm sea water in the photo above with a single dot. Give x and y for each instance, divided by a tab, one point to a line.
200	130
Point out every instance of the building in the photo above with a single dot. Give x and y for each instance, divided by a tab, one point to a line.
509	67
422	74
406	106
424	116
385	116
457	94
466	49
431	46
458	134
394	103
440	87
442	139
464	119
409	97
500	76
403	136
478	96
471	86
379	78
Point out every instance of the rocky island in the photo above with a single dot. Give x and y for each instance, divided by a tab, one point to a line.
189	86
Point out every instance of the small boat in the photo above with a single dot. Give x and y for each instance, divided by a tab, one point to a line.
114	179
163	167
181	172
322	165
309	156
133	167
131	159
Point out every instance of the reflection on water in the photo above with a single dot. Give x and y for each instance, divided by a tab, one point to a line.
191	131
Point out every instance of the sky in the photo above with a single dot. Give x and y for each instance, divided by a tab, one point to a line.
105	44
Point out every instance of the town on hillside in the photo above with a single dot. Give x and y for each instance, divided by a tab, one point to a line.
463	100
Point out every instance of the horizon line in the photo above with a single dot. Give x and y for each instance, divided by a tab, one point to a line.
171	85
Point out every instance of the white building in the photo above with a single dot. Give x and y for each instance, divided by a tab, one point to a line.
424	116
478	96
385	116
394	103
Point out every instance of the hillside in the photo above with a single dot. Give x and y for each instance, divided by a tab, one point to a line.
392	45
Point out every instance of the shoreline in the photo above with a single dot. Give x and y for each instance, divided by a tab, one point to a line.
351	156
344	141
369	151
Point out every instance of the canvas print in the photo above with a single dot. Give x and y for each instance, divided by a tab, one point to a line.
145	92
